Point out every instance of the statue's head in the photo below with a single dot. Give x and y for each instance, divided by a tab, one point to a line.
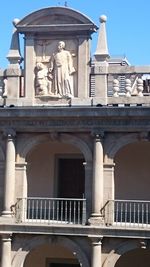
61	45
39	66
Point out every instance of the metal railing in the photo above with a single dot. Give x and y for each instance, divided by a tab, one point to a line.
51	210
130	213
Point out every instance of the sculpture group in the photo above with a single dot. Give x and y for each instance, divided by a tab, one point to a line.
56	78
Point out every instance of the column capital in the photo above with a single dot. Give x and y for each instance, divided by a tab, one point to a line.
6	237
9	133
98	134
96	240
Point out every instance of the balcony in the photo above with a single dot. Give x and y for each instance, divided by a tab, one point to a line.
50	211
127	213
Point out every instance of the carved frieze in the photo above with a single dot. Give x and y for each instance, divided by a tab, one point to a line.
78	124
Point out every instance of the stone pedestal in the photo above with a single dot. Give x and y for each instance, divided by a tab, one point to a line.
6	251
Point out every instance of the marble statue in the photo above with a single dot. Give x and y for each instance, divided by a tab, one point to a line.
61	67
43	80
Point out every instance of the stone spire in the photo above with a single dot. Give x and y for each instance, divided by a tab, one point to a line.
101	53
14	56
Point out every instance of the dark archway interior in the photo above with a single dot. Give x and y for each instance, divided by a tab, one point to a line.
135	258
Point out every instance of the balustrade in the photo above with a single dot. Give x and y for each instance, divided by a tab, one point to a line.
129	213
51	210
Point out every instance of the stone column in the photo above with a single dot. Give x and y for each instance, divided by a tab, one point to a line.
6	251
97	187
96	260
9	174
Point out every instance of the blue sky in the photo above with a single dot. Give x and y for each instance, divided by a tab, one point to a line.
128	24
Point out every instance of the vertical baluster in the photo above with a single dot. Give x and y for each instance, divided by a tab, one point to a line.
32	207
134	212
41	209
36	209
53	203
142	211
49	210
148	211
61	217
126	213
44	210
78	212
116	87
117	212
138	213
121	212
57	210
130	212
28	209
74	211
146	220
70	211
66	210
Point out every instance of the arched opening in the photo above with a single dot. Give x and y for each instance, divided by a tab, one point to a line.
137	258
55	188
55	169
132	170
51	255
132	182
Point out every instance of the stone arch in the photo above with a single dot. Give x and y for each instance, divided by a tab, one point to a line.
115	254
19	258
27	145
2	154
116	145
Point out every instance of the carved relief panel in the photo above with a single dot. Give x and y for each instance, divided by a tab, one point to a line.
56	69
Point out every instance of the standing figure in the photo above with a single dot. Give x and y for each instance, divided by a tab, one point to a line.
41	79
61	66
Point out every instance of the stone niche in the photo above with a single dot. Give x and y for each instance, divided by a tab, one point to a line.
57	56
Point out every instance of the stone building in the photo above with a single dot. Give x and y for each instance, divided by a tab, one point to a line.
74	148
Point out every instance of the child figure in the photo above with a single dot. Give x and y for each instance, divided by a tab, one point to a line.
41	79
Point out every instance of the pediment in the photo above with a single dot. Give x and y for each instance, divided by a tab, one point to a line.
54	16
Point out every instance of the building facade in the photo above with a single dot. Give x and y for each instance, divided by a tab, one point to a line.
74	148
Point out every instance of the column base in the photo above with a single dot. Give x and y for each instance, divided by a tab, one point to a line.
96	219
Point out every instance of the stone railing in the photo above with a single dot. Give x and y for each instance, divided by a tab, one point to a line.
127	213
128	85
51	210
116	85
